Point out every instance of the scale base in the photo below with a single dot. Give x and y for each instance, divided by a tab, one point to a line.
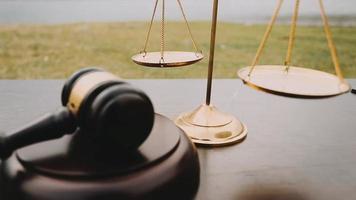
207	126
296	82
170	59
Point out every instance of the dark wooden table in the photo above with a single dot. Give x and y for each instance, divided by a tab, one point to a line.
296	149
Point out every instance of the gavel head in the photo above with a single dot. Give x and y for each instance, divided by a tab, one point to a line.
108	109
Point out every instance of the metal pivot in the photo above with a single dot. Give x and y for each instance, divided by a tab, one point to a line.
165	58
206	125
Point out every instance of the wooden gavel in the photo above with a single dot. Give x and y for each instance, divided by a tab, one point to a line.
104	107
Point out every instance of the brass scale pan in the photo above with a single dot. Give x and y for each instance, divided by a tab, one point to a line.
165	58
294	81
298	81
171	59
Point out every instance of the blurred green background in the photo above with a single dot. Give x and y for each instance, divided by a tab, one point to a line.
55	51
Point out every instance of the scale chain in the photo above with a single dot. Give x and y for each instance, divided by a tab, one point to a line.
150	28
188	27
292	35
162	31
265	37
333	51
331	44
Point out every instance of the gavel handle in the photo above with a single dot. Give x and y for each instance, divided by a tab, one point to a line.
353	91
50	126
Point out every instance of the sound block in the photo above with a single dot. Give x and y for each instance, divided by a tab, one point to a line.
166	166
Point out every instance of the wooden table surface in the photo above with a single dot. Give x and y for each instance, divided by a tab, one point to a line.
296	149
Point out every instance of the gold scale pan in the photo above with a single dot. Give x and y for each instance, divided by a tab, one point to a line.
294	81
165	58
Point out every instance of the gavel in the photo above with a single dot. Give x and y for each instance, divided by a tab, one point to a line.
98	103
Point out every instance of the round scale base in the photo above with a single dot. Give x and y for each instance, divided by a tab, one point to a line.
297	81
207	126
171	59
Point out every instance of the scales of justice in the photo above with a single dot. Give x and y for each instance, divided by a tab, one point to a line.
207	125
106	140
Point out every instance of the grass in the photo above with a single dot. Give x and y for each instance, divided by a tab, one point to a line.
55	51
